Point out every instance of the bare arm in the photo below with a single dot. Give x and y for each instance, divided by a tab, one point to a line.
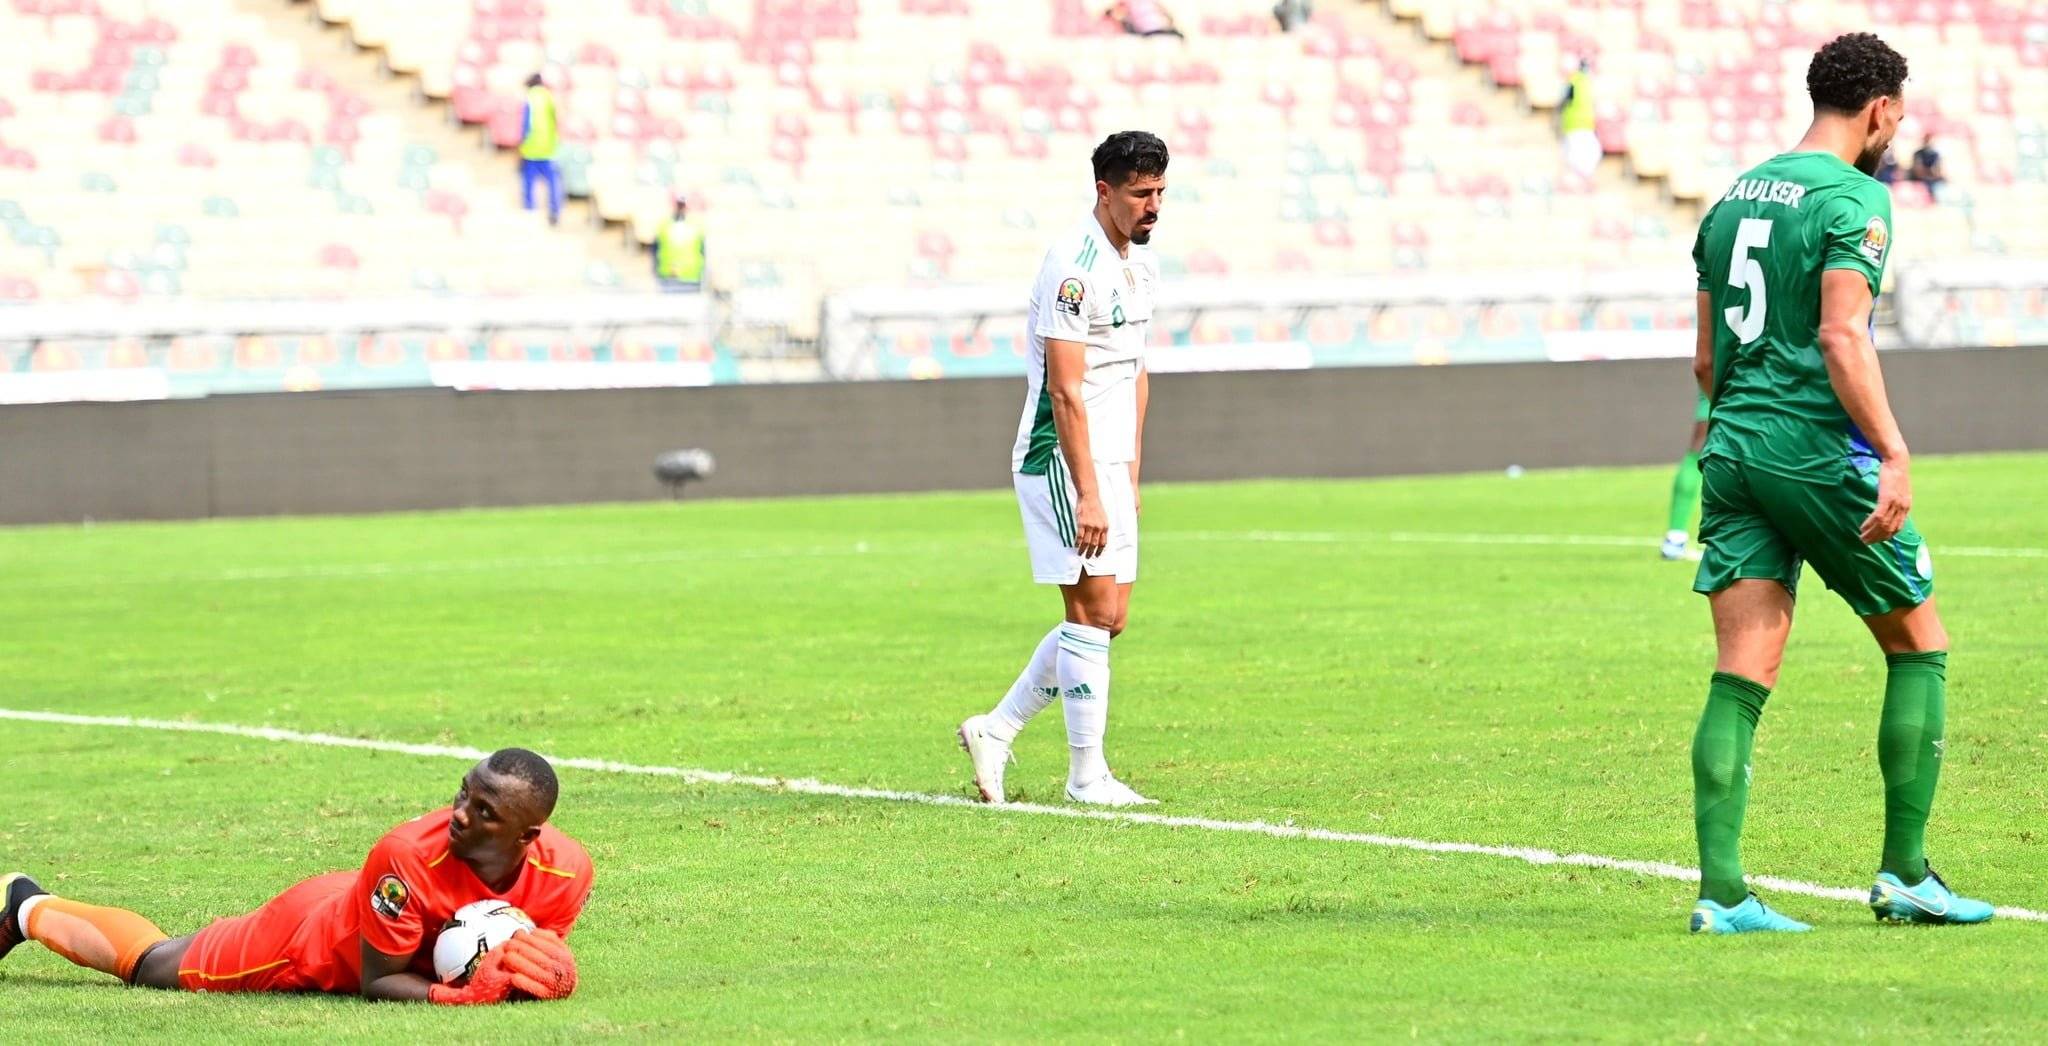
1138	447
1703	346
1066	364
1853	371
386	977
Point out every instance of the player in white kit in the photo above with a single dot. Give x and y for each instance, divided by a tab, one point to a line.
1076	464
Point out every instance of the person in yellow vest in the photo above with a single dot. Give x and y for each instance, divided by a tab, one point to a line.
679	252
1576	121
537	141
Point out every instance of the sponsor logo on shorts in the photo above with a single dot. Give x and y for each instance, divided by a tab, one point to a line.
389	896
1070	297
1875	239
1925	564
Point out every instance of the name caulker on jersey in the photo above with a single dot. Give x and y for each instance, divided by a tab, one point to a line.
1767	190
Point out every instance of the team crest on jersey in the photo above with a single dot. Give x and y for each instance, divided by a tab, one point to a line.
1875	239
389	896
1070	297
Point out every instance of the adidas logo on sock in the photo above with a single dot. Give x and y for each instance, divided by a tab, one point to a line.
1081	693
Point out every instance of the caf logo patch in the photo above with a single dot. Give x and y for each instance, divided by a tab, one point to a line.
389	896
1875	239
1070	297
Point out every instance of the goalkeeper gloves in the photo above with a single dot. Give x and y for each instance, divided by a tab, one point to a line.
491	983
540	964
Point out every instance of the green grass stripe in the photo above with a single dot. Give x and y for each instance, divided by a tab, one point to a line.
1476	658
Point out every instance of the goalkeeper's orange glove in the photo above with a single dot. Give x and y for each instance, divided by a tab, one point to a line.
491	983
540	964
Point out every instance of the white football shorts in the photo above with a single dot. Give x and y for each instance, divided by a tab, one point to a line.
1047	504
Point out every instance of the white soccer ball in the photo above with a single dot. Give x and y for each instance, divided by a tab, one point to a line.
475	928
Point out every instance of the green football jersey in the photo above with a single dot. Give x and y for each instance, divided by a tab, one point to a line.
1759	255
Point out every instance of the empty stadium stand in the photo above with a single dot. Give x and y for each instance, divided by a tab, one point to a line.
1692	92
825	151
925	145
156	150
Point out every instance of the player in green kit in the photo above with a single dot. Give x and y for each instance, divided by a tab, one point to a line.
1804	462
1685	488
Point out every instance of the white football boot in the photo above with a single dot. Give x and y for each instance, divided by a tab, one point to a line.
988	755
1107	791
1674	547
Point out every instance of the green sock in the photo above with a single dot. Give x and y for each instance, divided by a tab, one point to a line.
1909	743
1720	782
1685	493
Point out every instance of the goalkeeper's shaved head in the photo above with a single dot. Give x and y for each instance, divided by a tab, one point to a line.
530	770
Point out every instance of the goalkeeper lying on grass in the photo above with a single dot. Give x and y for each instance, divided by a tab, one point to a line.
370	931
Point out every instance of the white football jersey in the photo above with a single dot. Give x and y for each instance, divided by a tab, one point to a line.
1087	293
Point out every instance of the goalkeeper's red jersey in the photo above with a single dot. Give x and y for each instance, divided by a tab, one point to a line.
310	937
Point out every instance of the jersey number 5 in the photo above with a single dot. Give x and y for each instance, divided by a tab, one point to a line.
1754	234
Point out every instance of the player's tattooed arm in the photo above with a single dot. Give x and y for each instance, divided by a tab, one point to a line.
1853	371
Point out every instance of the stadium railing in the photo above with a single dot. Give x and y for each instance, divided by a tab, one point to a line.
1226	324
1981	302
87	351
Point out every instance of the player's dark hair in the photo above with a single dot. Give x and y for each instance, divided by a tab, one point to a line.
530	768
1850	70
1129	154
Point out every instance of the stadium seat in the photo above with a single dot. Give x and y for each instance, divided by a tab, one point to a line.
240	139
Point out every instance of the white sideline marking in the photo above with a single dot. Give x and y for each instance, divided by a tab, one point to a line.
1414	537
807	786
402	568
405	568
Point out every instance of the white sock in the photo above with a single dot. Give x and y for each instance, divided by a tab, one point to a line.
1033	690
21	914
1084	689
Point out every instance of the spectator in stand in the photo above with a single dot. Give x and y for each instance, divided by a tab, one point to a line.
1575	120
1291	14
1144	18
1888	167
1927	166
537	141
679	252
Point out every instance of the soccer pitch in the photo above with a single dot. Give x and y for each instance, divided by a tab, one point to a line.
1467	659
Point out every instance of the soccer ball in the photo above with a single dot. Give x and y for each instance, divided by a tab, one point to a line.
475	928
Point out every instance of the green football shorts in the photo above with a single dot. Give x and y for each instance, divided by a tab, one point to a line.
1757	524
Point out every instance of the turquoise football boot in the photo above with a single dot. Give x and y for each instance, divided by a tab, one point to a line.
1751	916
1929	902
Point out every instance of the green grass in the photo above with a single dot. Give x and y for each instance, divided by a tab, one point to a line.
1536	695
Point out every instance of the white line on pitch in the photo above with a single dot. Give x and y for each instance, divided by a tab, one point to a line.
403	568
807	786
1415	537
